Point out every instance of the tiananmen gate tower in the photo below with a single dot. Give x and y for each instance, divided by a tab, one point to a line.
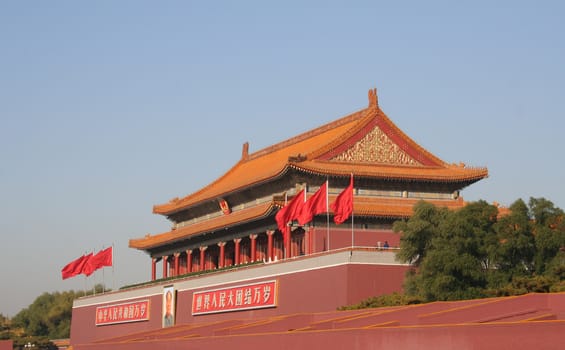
232	220
227	269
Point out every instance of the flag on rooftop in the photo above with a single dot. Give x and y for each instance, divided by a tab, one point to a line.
343	204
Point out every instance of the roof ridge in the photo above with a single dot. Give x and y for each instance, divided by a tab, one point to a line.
373	114
360	115
313	151
367	115
240	216
176	201
410	142
246	156
308	134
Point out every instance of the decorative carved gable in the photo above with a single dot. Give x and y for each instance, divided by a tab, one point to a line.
376	147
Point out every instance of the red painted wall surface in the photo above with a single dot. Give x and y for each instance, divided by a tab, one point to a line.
532	321
366	281
308	291
342	237
6	345
83	328
514	336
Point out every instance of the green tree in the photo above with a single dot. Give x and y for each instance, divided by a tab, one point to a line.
549	233
394	299
4	322
49	315
5	327
477	251
474	251
456	262
418	231
516	247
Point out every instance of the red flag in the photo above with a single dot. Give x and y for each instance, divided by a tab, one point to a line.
75	267
343	205
105	257
86	267
288	213
315	205
101	259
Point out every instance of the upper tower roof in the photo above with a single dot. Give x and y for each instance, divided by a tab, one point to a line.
366	143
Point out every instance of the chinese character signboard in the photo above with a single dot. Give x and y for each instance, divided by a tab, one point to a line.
121	313
244	297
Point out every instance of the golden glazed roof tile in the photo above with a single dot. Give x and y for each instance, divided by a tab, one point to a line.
262	165
448	173
366	143
396	208
219	222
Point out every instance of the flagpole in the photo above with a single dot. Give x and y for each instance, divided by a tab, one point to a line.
84	280
328	212
94	277
352	214
103	277
305	190
352	234
113	287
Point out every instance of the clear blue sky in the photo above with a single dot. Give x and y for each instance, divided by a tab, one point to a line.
110	107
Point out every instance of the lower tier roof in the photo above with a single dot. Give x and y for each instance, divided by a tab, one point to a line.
389	208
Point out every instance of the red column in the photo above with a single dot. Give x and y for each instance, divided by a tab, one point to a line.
177	256
307	240
270	245
222	260
189	261
287	245
202	257
312	240
165	267
253	239
236	253
153	269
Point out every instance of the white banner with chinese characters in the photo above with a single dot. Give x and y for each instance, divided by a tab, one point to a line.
244	297
121	313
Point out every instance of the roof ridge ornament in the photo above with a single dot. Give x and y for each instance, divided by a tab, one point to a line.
297	158
373	98
245	151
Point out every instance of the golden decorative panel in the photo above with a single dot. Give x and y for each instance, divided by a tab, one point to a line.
376	147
